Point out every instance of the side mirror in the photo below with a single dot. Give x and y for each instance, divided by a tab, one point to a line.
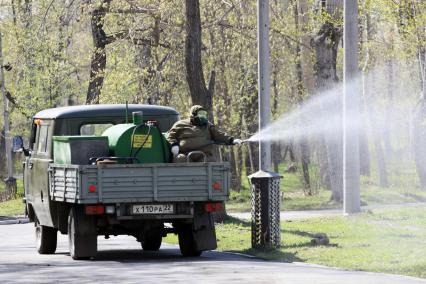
17	144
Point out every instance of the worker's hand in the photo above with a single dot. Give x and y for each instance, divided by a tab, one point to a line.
175	150
237	142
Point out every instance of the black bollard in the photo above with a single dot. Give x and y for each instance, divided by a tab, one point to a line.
265	210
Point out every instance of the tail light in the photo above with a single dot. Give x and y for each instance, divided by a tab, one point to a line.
213	207
92	188
217	186
94	209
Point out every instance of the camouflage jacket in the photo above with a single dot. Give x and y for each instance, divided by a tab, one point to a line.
197	138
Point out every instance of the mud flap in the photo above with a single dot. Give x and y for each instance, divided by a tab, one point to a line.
203	230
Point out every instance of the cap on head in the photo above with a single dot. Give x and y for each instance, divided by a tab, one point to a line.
195	109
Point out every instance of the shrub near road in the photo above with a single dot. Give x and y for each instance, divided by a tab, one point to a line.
383	240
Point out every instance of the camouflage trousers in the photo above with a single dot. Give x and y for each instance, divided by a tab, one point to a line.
194	158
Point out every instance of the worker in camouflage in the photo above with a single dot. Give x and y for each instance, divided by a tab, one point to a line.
196	134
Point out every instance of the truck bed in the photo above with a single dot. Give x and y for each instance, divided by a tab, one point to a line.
87	184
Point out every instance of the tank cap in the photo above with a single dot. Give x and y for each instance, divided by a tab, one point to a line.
137	117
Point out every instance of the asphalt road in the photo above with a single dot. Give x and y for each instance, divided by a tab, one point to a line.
120	260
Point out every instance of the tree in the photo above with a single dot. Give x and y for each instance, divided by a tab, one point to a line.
98	63
200	94
326	45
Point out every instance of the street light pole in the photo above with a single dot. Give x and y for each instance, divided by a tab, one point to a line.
10	179
264	80
351	102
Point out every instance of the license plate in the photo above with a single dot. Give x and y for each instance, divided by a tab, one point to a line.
152	209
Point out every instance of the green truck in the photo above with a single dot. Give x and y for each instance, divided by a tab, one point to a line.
94	171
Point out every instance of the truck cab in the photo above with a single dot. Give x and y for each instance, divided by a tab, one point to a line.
58	198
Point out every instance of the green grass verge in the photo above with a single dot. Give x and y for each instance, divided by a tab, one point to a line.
402	189
292	198
13	207
383	240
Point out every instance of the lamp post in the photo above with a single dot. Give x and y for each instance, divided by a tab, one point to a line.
351	102
264	80
265	185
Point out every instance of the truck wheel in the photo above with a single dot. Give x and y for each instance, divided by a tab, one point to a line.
46	238
82	236
187	243
152	242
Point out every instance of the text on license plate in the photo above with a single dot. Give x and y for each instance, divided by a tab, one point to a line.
152	209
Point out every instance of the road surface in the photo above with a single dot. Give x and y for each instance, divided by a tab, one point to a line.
120	260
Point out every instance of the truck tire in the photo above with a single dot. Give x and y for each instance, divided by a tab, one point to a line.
187	242
82	236
46	238
152	242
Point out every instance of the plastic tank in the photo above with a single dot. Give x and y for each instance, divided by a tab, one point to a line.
77	150
143	141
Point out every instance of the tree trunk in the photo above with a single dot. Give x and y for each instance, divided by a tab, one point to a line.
326	45
250	125
324	176
387	130
304	146
380	156
200	95
422	61
418	125
2	154
381	162
306	53
419	141
250	157
368	104
98	62
275	146
364	153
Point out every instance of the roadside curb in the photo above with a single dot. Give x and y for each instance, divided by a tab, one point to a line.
13	221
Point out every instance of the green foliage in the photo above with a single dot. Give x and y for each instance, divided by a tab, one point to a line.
49	45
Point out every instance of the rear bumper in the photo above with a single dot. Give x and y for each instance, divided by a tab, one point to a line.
125	211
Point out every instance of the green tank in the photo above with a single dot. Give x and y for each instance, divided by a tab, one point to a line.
145	142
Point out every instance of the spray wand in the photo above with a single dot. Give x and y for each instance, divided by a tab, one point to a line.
248	141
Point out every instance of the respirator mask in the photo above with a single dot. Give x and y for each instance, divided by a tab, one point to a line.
201	118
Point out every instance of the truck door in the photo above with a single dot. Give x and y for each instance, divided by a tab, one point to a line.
37	175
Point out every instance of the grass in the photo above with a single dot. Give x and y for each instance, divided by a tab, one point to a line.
292	197
382	240
13	207
402	189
